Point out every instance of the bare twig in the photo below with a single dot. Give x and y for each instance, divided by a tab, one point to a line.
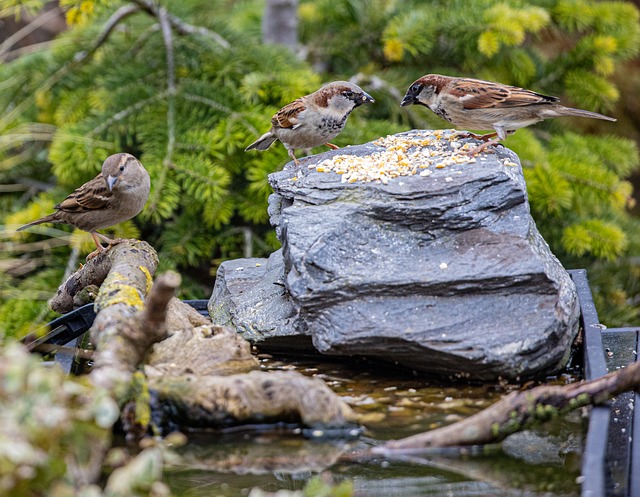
39	21
167	37
47	348
182	27
119	116
155	310
33	48
13	247
116	18
518	410
80	57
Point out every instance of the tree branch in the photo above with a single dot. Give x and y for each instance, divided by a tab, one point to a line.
78	58
518	410
116	18
182	27
41	20
167	37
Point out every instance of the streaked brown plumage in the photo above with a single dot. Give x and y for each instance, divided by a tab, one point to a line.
480	105
314	119
117	194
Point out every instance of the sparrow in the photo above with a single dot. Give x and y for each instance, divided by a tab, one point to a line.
117	194
314	119
476	104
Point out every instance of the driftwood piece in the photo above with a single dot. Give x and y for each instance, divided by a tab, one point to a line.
219	401
94	272
518	410
123	329
203	350
185	368
183	316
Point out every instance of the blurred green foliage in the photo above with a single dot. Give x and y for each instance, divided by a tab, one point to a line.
65	108
54	433
56	436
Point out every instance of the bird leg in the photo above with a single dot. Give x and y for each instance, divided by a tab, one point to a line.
486	138
100	235
292	154
99	248
481	147
332	146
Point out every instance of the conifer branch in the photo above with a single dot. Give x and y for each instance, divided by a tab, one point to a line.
29	49
218	106
115	19
181	26
5	46
78	58
167	37
119	116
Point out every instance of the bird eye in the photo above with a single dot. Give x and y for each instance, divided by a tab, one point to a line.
348	94
415	88
122	168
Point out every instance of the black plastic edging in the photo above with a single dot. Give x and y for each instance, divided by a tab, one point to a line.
594	460
634	476
594	362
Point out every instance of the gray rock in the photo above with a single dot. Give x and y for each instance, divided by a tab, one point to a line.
445	274
249	296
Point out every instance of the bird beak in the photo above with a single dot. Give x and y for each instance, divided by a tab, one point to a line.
408	100
366	98
111	180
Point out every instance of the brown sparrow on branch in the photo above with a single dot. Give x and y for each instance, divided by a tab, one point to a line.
314	119
476	104
117	194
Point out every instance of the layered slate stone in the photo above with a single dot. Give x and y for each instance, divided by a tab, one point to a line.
250	296
444	273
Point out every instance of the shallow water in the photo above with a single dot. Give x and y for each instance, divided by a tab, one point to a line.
543	462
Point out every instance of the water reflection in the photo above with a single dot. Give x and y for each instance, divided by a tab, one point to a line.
544	462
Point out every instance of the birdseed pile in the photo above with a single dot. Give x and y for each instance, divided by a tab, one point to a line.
402	156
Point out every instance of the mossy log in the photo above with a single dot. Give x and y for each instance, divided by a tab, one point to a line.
518	410
135	260
255	397
187	364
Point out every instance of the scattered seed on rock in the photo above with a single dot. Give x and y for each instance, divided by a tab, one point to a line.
401	156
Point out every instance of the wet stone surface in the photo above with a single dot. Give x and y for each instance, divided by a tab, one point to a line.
444	273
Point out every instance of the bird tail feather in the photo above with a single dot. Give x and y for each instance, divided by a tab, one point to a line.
570	111
262	143
46	219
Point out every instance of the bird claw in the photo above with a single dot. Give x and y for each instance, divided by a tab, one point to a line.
481	148
101	250
95	254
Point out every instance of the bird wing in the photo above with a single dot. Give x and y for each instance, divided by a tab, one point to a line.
476	94
287	117
93	195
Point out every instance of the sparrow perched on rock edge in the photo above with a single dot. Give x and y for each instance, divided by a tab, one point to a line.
116	195
314	119
477	104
